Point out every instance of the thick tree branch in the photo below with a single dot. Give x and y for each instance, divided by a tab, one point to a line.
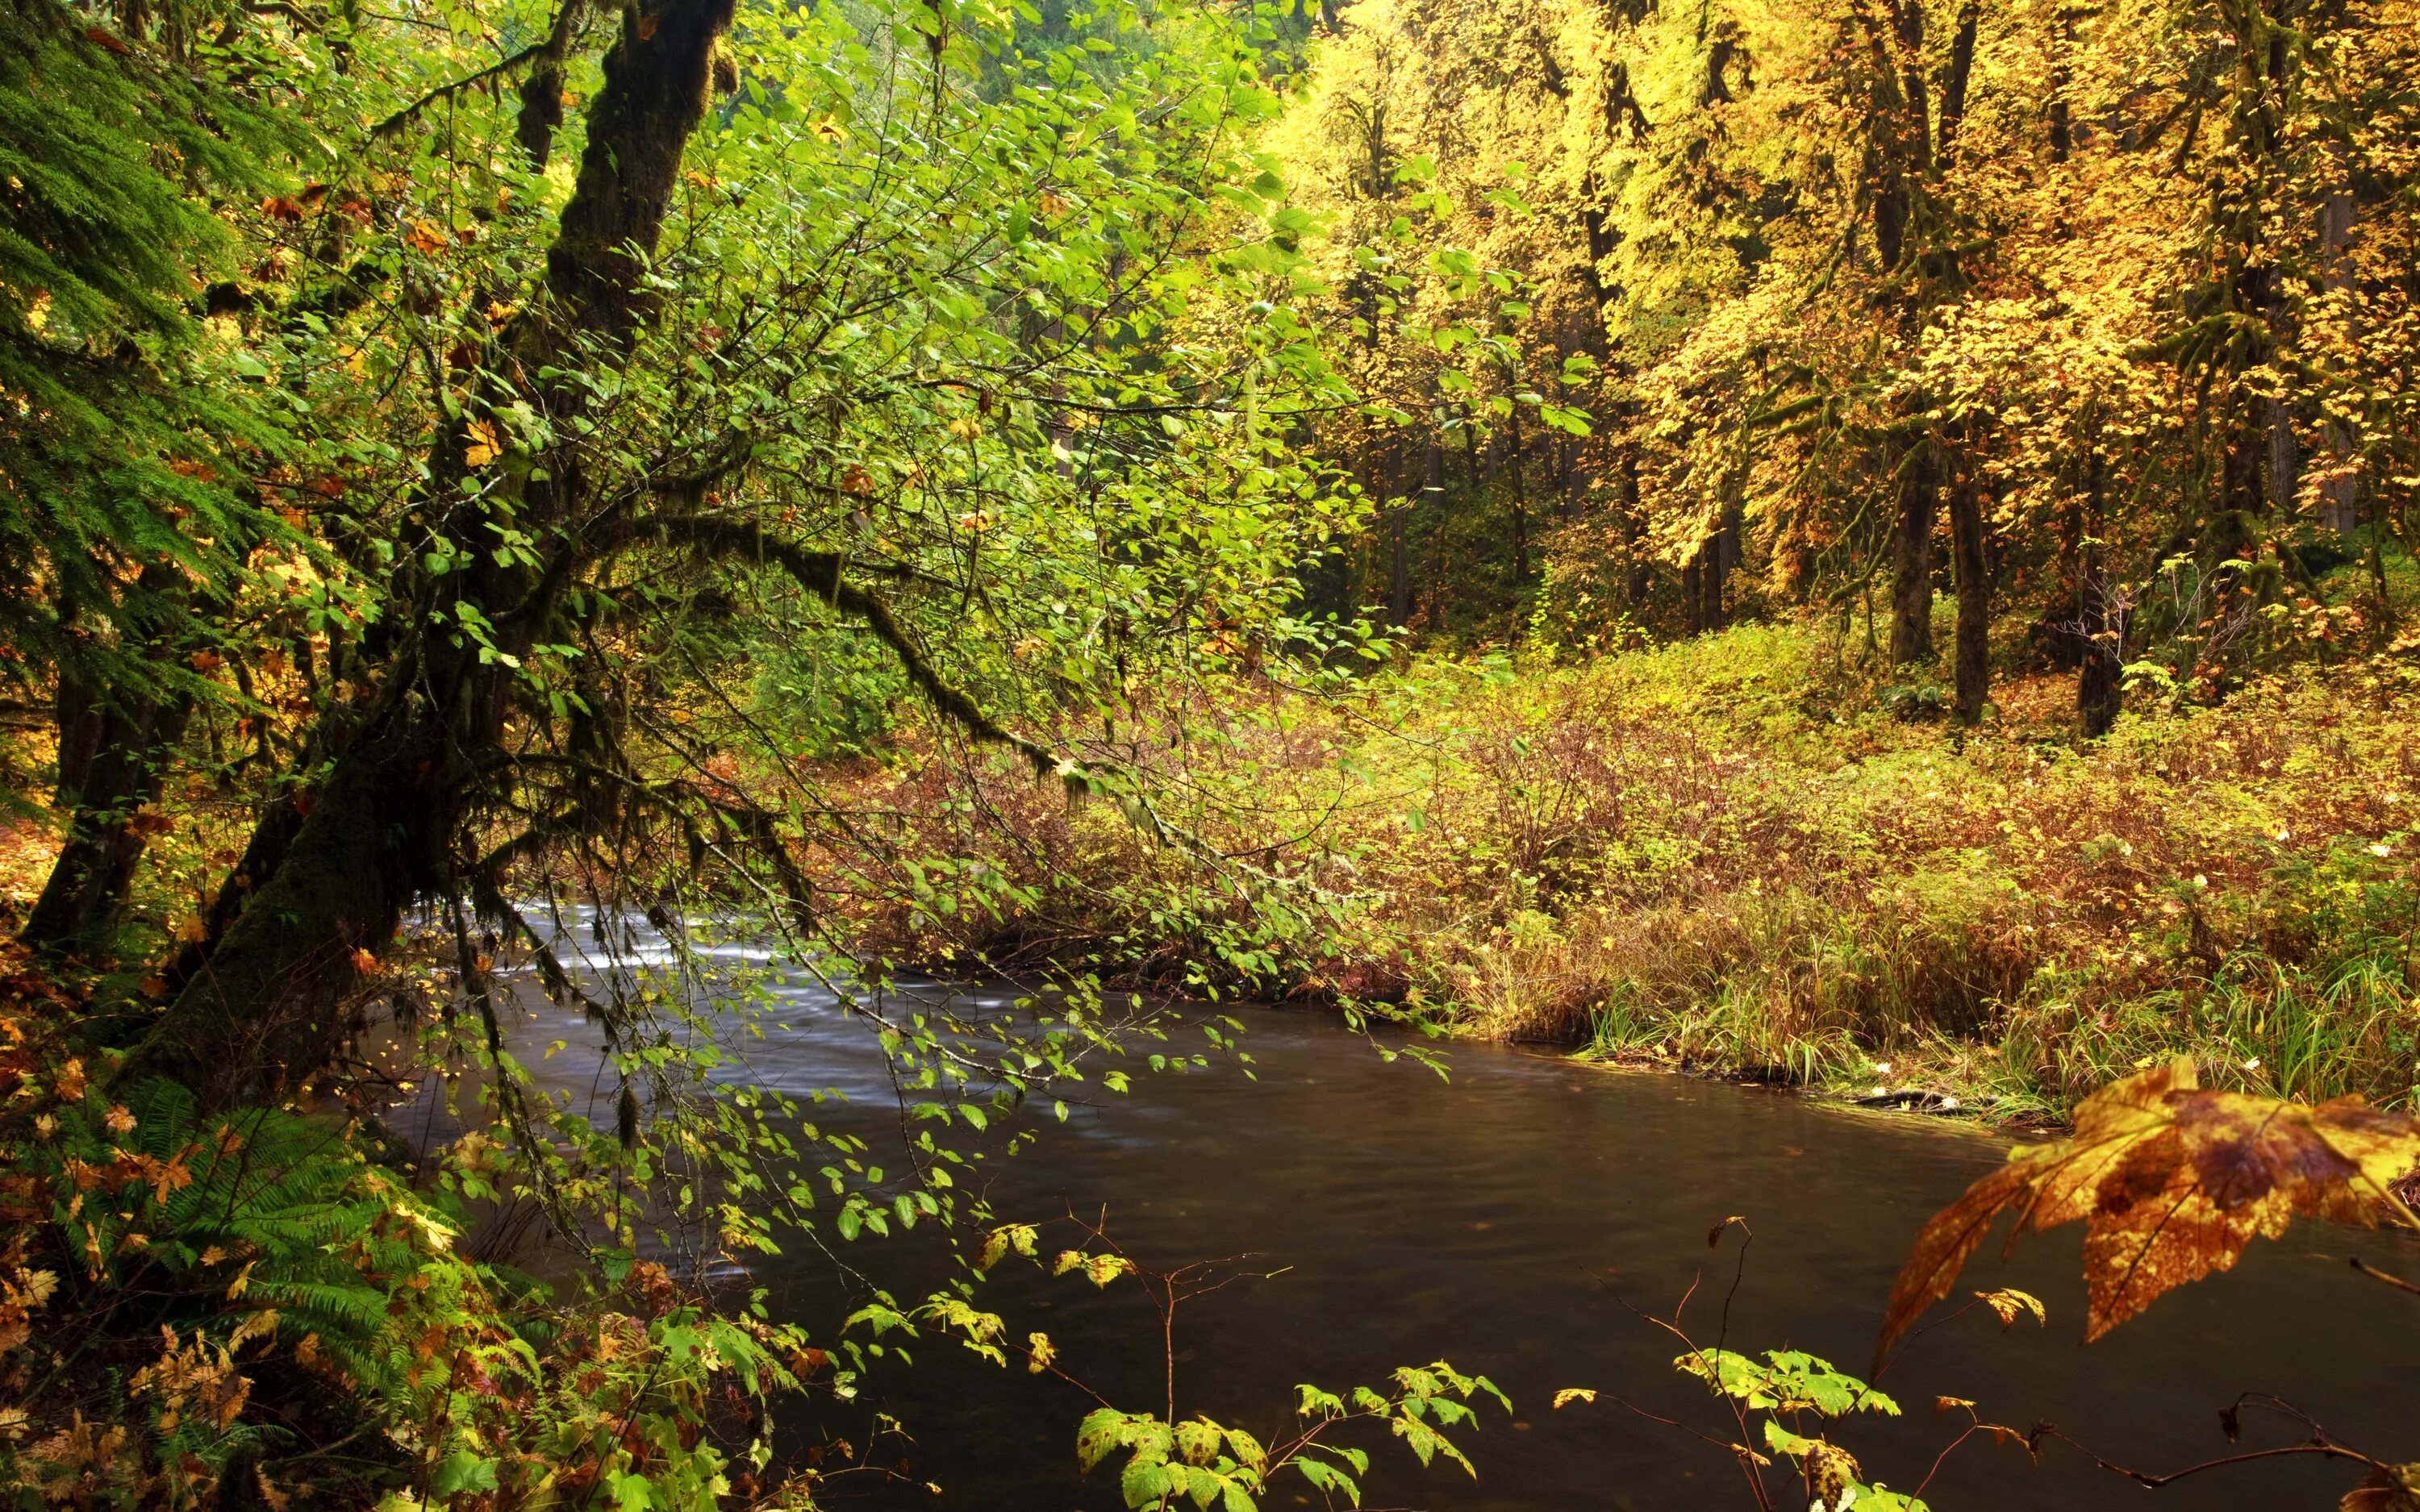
822	573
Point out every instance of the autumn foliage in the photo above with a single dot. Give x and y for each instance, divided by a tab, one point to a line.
2171	1179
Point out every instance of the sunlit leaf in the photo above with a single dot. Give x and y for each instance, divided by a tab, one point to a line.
2172	1179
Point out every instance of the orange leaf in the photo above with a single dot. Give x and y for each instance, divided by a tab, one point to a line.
1940	1251
2171	1179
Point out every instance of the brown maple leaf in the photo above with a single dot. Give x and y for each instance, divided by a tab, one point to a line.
2171	1179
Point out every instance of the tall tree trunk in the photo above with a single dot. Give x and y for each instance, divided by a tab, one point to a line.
1715	559
2099	684
1400	562
2056	636
541	104
1432	495
1898	133
2062	134
1912	560
1399	566
1967	550
1520	506
2339	504
1634	527
1954	78
381	832
114	755
2284	471
114	750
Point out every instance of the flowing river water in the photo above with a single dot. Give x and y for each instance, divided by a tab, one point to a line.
1506	1219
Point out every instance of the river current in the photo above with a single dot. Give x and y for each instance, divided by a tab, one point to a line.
1509	1218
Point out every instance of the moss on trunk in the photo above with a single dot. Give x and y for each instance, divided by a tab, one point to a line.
263	1009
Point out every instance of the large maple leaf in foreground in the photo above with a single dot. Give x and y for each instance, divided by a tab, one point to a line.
2172	1180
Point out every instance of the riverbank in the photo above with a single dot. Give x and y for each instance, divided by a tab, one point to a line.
1739	853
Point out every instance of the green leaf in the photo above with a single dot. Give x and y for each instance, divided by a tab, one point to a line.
462	1473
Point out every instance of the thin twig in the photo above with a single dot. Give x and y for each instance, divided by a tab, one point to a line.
2376	1274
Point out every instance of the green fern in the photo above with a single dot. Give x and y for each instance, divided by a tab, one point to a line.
262	1208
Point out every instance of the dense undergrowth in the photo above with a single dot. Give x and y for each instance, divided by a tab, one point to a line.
263	1309
1741	853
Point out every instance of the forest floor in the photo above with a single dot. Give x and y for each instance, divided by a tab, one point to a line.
1734	855
1740	855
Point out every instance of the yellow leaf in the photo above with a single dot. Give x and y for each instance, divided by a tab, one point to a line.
2009	1302
483	448
254	1325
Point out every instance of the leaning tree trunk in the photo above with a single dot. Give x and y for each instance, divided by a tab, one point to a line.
264	1009
1974	652
1912	560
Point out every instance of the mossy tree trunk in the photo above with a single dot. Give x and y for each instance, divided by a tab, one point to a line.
385	830
1910	639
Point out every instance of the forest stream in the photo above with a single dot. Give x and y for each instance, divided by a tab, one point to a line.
1501	1218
